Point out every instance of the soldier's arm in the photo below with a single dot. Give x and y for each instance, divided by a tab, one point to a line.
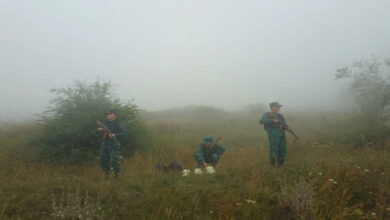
199	155
121	131
220	149
266	120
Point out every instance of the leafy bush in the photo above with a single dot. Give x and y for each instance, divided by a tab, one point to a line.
70	119
370	89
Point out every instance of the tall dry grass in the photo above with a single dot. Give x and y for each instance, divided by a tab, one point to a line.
320	180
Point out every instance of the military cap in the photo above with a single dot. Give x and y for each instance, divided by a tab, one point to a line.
272	104
111	111
208	140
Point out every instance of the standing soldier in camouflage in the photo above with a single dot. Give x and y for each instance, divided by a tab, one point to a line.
111	130
275	125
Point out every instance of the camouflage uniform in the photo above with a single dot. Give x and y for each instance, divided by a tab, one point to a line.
110	149
276	136
210	156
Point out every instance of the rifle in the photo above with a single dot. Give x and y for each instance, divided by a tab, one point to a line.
293	134
107	131
283	125
219	139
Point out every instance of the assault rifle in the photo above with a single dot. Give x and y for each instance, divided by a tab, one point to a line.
293	134
107	131
219	139
282	123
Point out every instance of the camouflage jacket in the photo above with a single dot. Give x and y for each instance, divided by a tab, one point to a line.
204	153
267	121
116	128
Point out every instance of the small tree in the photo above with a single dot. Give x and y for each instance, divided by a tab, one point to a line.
370	89
70	119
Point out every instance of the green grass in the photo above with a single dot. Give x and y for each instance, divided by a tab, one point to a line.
301	189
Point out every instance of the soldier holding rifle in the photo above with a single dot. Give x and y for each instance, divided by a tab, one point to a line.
110	131
275	125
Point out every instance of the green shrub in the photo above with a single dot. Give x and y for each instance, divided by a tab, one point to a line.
370	90
70	120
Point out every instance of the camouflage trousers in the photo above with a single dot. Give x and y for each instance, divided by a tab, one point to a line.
277	147
109	155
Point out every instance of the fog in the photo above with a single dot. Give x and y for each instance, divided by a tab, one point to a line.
166	54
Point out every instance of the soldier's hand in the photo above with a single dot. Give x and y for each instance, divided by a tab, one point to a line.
276	120
100	129
205	165
111	135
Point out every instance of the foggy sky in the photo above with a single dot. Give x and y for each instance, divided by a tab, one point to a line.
173	53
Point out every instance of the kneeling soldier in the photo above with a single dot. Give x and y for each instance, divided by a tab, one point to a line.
209	152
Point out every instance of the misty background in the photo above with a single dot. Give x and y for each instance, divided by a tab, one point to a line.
166	54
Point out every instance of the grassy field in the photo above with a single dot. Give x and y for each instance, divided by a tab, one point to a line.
320	179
